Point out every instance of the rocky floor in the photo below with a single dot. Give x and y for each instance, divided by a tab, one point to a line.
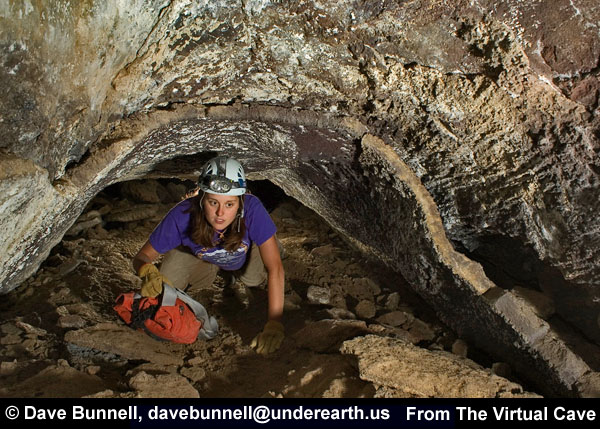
353	328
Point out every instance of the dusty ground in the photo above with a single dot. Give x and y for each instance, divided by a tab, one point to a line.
60	336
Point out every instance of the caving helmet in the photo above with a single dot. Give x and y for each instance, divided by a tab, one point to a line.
222	176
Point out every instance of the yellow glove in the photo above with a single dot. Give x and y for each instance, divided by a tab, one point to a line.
152	280
269	339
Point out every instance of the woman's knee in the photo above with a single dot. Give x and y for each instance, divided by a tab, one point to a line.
183	269
175	268
254	279
203	276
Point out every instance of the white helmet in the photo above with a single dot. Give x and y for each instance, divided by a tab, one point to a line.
222	176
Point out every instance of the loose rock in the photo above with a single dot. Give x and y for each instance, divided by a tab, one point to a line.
318	295
460	348
194	373
71	321
365	309
421	331
340	313
403	367
162	386
122	341
394	318
392	301
29	329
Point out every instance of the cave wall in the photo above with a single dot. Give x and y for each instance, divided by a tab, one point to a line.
492	105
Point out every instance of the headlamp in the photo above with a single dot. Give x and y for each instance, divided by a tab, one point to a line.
219	184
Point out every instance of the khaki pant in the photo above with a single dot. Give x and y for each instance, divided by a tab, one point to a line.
182	269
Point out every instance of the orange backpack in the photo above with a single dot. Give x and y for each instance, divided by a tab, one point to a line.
175	317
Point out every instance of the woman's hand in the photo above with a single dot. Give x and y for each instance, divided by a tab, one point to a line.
270	339
152	280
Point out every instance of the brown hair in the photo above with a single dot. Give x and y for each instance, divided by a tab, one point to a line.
203	233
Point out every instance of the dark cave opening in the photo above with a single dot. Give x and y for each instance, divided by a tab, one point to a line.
506	261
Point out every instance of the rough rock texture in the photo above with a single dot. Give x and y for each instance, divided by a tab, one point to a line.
403	370
468	125
162	386
121	341
55	382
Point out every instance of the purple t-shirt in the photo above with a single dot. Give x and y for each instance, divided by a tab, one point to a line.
173	231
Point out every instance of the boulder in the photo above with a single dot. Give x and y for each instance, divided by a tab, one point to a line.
122	341
162	386
422	373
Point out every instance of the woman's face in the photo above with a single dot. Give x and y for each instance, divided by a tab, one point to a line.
220	210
